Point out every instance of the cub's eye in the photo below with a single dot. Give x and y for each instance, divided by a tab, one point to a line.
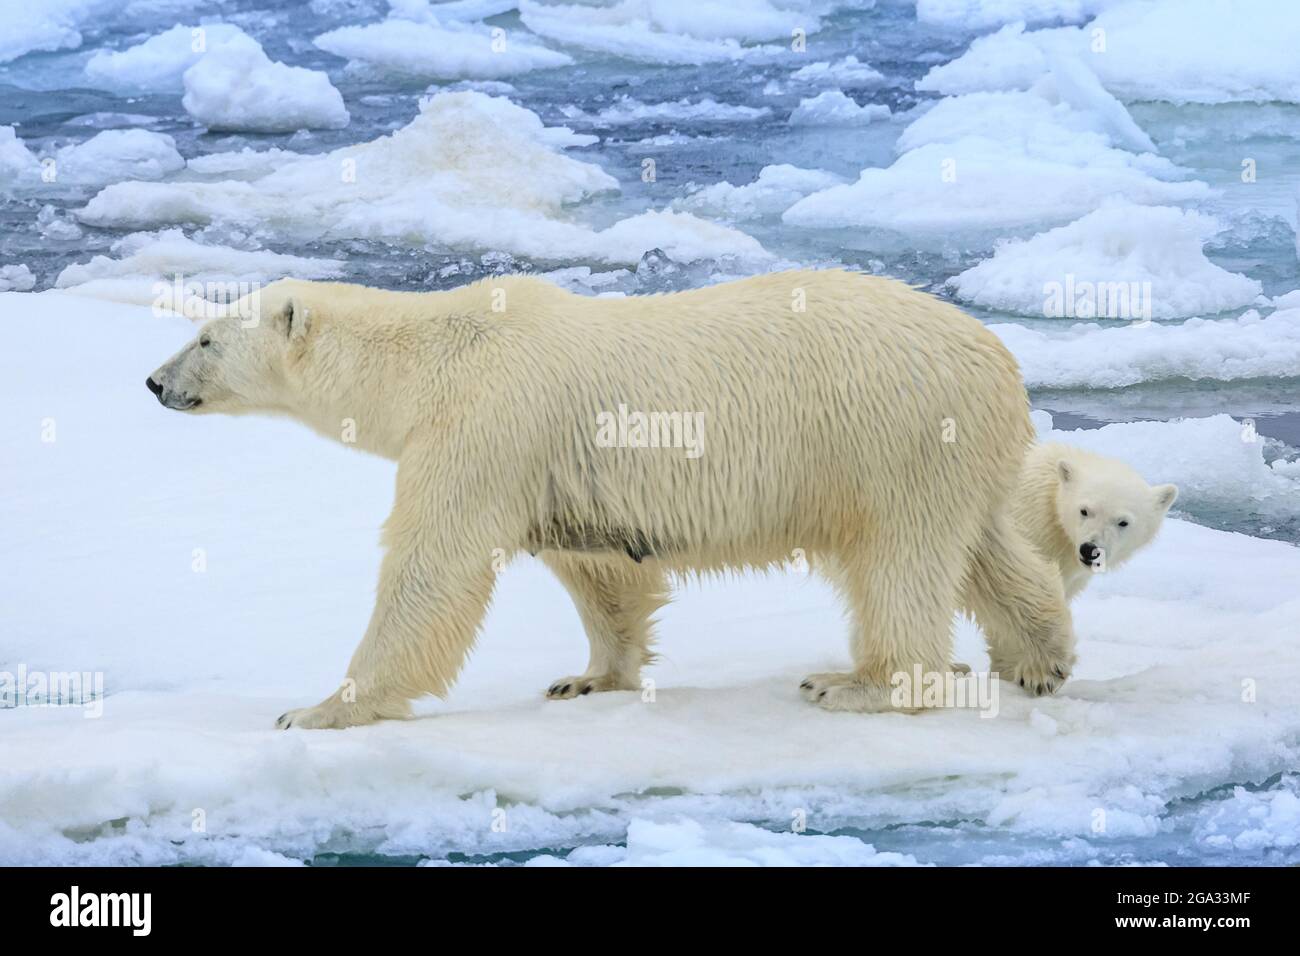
1084	512
1123	524
204	342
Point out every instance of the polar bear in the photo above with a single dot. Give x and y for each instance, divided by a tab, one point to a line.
1084	512
848	417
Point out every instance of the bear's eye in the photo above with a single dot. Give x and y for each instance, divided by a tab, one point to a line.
1084	512
1123	523
204	342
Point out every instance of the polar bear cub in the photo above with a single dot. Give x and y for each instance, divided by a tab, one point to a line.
1086	513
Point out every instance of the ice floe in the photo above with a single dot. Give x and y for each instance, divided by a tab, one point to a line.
626	111
238	87
469	172
435	51
775	189
158	63
980	164
666	31
16	278
47	25
1217	462
143	259
1178	51
834	108
1122	262
1086	355
118	154
846	72
1197	631
982	14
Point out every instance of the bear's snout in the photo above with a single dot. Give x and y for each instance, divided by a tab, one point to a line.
153	386
1089	552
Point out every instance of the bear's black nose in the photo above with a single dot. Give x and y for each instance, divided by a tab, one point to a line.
153	386
1089	551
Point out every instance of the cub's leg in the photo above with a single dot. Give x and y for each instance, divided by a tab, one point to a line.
615	597
434	586
1018	602
902	599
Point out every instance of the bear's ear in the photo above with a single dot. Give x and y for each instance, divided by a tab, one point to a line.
1166	495
1064	471
294	319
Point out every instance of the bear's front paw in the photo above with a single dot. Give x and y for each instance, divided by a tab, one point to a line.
1041	676
333	713
846	692
567	688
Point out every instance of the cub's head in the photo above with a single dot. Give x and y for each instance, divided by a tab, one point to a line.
1107	510
238	361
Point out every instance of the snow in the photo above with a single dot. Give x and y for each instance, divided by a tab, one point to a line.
236	86
1153	252
432	51
470	172
158	63
775	189
1178	51
196	665
1087	355
834	108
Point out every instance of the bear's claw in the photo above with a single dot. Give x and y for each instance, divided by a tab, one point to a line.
566	688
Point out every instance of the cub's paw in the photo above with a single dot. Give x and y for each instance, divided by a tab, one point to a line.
333	713
845	692
567	688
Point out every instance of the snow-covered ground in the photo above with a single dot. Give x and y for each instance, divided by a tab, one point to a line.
1111	185
218	571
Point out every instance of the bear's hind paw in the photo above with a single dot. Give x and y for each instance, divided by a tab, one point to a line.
335	714
566	688
845	692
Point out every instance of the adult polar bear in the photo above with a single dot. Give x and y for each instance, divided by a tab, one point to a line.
876	428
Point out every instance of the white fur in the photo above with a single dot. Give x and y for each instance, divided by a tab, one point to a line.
870	427
1059	483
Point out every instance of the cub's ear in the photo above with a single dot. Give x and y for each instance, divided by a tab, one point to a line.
294	319
1064	472
1166	495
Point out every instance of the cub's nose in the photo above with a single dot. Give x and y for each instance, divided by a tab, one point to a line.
1088	552
153	386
